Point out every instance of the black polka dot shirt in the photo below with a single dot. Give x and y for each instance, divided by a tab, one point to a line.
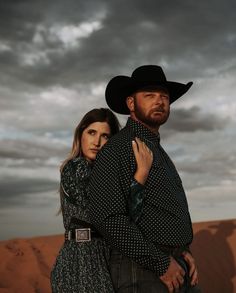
165	219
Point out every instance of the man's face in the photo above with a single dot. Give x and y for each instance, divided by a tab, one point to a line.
151	107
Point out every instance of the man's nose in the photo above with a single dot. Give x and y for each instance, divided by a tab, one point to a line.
158	99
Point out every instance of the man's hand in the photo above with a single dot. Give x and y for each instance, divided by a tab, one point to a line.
193	274
174	276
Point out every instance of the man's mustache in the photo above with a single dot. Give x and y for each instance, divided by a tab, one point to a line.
158	109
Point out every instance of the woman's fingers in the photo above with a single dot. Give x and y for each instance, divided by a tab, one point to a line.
143	154
134	146
144	158
141	146
139	143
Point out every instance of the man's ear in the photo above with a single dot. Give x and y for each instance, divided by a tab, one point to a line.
130	103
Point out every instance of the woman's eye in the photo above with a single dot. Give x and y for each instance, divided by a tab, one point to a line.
105	136
92	132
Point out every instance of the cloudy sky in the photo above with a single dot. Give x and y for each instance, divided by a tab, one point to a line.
56	58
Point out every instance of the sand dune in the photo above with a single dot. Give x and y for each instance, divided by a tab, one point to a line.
26	263
214	247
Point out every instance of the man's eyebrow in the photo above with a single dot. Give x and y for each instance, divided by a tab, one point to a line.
159	91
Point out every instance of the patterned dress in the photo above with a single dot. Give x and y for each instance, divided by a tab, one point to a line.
79	267
83	267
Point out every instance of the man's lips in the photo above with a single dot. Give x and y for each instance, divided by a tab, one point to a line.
159	110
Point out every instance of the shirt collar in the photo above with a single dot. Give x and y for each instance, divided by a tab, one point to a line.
142	131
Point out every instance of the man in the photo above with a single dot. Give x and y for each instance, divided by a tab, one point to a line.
151	254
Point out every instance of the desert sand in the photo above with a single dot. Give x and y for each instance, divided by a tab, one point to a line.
26	263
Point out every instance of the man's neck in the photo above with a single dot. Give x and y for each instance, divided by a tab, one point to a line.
153	129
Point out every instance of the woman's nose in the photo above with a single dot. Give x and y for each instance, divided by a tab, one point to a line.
97	141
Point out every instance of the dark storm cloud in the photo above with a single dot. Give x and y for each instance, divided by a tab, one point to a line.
18	191
186	37
31	150
19	18
177	35
210	169
211	165
19	21
193	119
56	58
157	31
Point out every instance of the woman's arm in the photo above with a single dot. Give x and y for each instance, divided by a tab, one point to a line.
144	157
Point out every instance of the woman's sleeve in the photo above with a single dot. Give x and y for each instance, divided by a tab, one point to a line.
74	181
135	202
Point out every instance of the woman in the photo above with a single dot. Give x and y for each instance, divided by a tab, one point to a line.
81	265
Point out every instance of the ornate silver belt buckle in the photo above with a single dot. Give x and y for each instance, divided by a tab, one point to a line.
83	235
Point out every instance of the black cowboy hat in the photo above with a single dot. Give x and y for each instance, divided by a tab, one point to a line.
120	87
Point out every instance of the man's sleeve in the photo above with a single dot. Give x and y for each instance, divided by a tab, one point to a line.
109	213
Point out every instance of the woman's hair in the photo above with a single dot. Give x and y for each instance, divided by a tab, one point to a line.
94	115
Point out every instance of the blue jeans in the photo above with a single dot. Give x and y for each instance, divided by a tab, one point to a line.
129	277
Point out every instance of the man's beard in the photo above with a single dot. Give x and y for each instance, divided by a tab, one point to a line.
150	120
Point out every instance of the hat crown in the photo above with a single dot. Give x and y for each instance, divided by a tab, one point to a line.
149	73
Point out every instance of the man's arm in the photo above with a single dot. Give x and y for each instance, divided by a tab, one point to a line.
109	191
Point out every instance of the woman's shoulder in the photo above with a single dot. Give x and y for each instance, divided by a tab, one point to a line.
74	177
77	167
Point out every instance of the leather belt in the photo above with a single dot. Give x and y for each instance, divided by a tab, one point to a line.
81	234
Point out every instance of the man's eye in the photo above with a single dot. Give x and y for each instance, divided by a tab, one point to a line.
165	96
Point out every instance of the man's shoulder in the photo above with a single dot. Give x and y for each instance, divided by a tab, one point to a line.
118	145
120	140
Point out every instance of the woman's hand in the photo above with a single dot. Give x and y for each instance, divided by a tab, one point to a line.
144	158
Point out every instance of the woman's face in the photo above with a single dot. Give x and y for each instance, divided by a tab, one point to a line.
93	138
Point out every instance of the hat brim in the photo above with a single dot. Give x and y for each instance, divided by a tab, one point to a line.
120	87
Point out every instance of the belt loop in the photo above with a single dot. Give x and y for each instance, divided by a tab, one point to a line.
69	235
